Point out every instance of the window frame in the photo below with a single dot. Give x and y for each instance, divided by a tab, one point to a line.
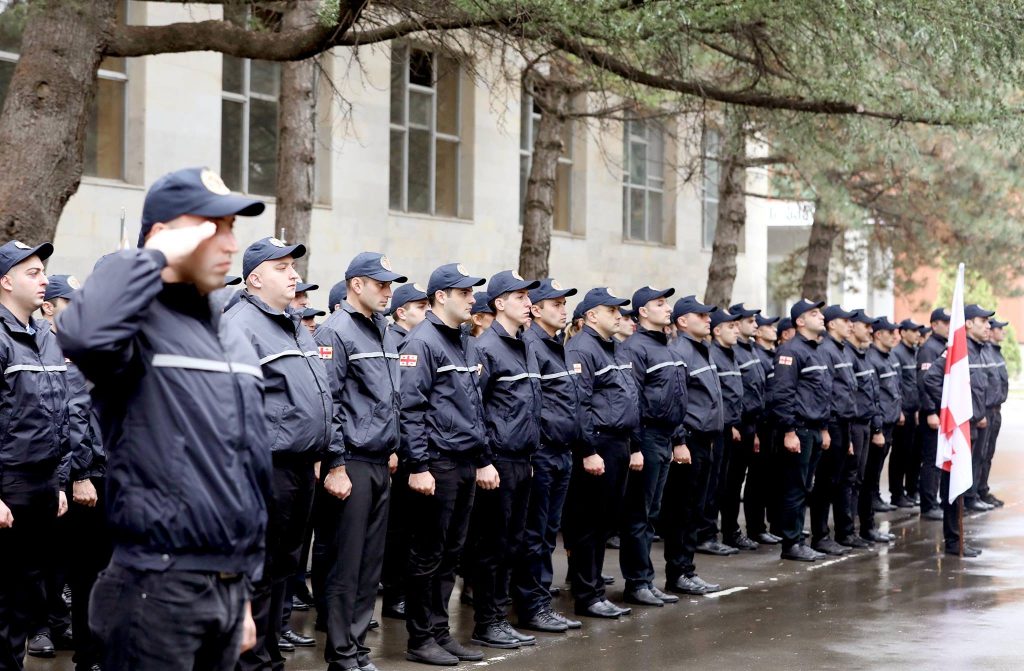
628	186
526	152
244	99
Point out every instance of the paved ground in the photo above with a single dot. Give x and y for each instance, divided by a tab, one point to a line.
901	607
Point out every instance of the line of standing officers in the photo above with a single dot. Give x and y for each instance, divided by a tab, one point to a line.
203	443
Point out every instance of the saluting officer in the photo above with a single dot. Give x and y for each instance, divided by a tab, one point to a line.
34	408
363	373
686	489
661	387
444	451
1000	382
928	416
828	491
905	460
609	412
180	400
803	400
298	405
552	463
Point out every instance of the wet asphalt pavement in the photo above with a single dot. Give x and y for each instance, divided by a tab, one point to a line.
905	606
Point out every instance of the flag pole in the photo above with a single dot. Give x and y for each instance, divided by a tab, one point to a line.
960	519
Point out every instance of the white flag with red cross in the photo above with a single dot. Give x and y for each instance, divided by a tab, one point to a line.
954	448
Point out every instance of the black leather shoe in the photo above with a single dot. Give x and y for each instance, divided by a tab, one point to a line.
801	553
466	596
297	639
545	622
829	547
284	645
765	538
524	639
493	636
394	610
374	624
713	547
368	666
599	609
622	611
461	652
978	506
685	585
299	604
554	591
608	579
41	646
876	536
613	543
993	501
431	653
642	597
854	542
665	598
567	621
708	587
968	551
934	514
903	502
741	542
880	506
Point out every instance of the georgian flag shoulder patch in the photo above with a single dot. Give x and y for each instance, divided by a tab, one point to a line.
786	360
326	352
577	368
408	360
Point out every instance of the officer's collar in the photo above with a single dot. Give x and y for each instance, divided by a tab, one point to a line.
503	332
13	325
395	326
288	316
748	344
184	297
728	350
877	349
657	335
607	342
542	334
453	333
838	343
809	341
376	318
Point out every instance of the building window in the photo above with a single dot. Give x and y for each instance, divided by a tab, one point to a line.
712	174
248	140
105	132
643	182
426	129
530	117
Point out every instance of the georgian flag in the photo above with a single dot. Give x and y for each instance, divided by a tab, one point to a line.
954	449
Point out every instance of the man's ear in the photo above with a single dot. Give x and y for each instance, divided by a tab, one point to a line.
255	281
6	283
46	308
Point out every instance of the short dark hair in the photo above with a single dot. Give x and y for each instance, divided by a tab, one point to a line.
432	298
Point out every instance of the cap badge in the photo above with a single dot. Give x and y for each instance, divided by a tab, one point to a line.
21	245
276	242
517	276
419	287
385	263
213	182
652	288
555	285
462	270
74	283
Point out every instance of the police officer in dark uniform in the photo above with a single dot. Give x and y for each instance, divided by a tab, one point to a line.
298	404
609	413
510	388
482	314
887	372
905	460
984	394
999	381
337	294
661	387
444	451
803	401
724	335
408	308
552	463
762	504
180	399
363	374
308	318
301	300
828	492
928	416
34	410
686	489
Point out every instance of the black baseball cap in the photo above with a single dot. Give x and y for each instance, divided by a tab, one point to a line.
60	286
940	315
908	325
306	286
407	293
863	317
836	312
480	304
784	325
15	251
802	306
337	295
268	249
924	330
974	310
374	265
198	191
506	282
599	296
690	304
645	295
451	276
743	312
312	312
996	324
765	321
883	324
722	317
549	289
232	280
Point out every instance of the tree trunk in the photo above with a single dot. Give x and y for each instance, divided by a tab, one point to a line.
296	139
732	210
538	217
44	117
824	231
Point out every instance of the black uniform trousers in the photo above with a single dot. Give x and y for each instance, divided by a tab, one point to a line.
928	482
396	546
356	540
437	534
905	459
168	620
979	445
721	451
741	457
851	479
951	509
758	502
533	572
641	506
995	423
686	491
592	510
287	516
52	615
90	551
828	490
871	475
31	495
498	527
795	478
